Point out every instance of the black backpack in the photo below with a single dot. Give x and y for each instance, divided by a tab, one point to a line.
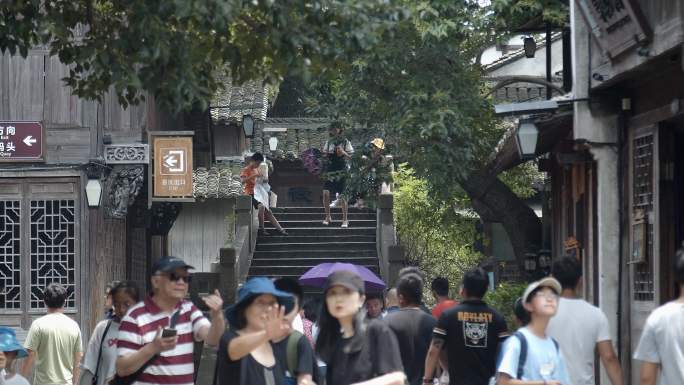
523	352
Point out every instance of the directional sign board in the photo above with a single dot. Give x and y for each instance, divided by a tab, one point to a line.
21	141
172	167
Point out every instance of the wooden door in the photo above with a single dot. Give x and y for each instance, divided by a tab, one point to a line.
39	244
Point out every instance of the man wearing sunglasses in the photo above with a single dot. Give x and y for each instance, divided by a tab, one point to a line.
156	335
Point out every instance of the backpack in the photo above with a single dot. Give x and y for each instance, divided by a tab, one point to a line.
291	352
523	352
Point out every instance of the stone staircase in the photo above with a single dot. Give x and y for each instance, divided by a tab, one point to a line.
310	242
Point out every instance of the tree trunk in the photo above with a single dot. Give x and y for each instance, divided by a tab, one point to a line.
495	202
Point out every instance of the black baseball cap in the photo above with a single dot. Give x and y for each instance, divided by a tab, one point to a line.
346	278
168	264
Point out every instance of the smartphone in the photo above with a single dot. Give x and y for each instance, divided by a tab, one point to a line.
169	333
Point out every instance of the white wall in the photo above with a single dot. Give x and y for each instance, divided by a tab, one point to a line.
200	231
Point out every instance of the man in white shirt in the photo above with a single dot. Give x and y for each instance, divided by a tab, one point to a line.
661	347
581	328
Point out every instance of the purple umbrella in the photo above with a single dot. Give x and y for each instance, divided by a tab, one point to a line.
318	275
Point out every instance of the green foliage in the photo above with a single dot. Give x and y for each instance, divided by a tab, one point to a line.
436	238
420	87
523	179
172	49
512	14
503	297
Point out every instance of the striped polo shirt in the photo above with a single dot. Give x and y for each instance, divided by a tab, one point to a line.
139	327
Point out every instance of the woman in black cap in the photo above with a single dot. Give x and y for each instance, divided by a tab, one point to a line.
245	353
355	352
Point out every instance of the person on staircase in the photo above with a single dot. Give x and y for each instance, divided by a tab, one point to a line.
255	178
338	151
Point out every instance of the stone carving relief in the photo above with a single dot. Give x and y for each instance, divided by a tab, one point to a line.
137	153
124	186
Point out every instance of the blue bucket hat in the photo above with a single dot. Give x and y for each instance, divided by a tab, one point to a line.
9	343
255	287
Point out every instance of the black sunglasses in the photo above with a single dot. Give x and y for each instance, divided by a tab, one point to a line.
173	277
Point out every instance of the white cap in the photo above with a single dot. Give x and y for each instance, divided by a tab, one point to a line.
549	282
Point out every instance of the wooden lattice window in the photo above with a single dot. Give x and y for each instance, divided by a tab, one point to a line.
642	202
53	249
10	254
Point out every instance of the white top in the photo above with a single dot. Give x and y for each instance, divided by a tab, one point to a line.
329	147
108	361
17	379
578	326
544	362
298	324
662	342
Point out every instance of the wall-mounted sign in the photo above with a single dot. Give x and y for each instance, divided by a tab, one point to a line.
172	167
617	25
21	142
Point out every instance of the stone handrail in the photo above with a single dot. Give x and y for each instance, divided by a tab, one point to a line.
235	260
390	254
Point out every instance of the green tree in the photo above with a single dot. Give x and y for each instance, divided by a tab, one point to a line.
422	87
175	49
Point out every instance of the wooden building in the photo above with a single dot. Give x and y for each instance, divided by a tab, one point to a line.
48	232
629	119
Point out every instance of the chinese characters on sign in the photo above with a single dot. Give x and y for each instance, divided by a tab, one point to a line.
172	167
21	141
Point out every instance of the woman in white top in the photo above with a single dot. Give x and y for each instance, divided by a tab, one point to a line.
99	362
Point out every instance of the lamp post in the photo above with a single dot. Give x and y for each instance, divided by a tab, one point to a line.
530	47
248	125
526	138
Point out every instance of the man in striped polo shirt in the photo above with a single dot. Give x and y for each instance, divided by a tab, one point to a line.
143	349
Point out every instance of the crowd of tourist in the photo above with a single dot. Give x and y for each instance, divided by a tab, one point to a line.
274	335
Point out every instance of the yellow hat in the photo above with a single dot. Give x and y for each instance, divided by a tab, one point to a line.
379	143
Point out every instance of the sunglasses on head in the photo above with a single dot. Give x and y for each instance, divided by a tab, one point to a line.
173	277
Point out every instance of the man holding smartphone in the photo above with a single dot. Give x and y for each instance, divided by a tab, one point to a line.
156	335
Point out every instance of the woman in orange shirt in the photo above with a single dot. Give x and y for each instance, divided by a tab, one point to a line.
249	176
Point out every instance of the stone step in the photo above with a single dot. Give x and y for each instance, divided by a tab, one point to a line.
330	246
277	210
312	261
277	238
332	229
315	254
318	217
317	224
292	271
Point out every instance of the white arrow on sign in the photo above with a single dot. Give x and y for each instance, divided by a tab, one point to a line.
170	161
29	141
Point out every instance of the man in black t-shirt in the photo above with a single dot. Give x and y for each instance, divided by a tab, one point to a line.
412	326
472	333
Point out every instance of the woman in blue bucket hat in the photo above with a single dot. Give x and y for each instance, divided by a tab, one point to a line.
10	350
245	354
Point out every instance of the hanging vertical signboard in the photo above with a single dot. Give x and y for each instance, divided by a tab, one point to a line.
617	25
172	166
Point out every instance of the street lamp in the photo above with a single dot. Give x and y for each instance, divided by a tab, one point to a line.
248	125
530	47
93	191
526	138
273	143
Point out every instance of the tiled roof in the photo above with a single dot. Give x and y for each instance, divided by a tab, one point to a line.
518	54
234	101
295	135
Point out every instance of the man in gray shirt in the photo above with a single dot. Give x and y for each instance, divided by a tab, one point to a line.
661	347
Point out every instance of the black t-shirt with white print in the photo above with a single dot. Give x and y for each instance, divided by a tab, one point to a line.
472	333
